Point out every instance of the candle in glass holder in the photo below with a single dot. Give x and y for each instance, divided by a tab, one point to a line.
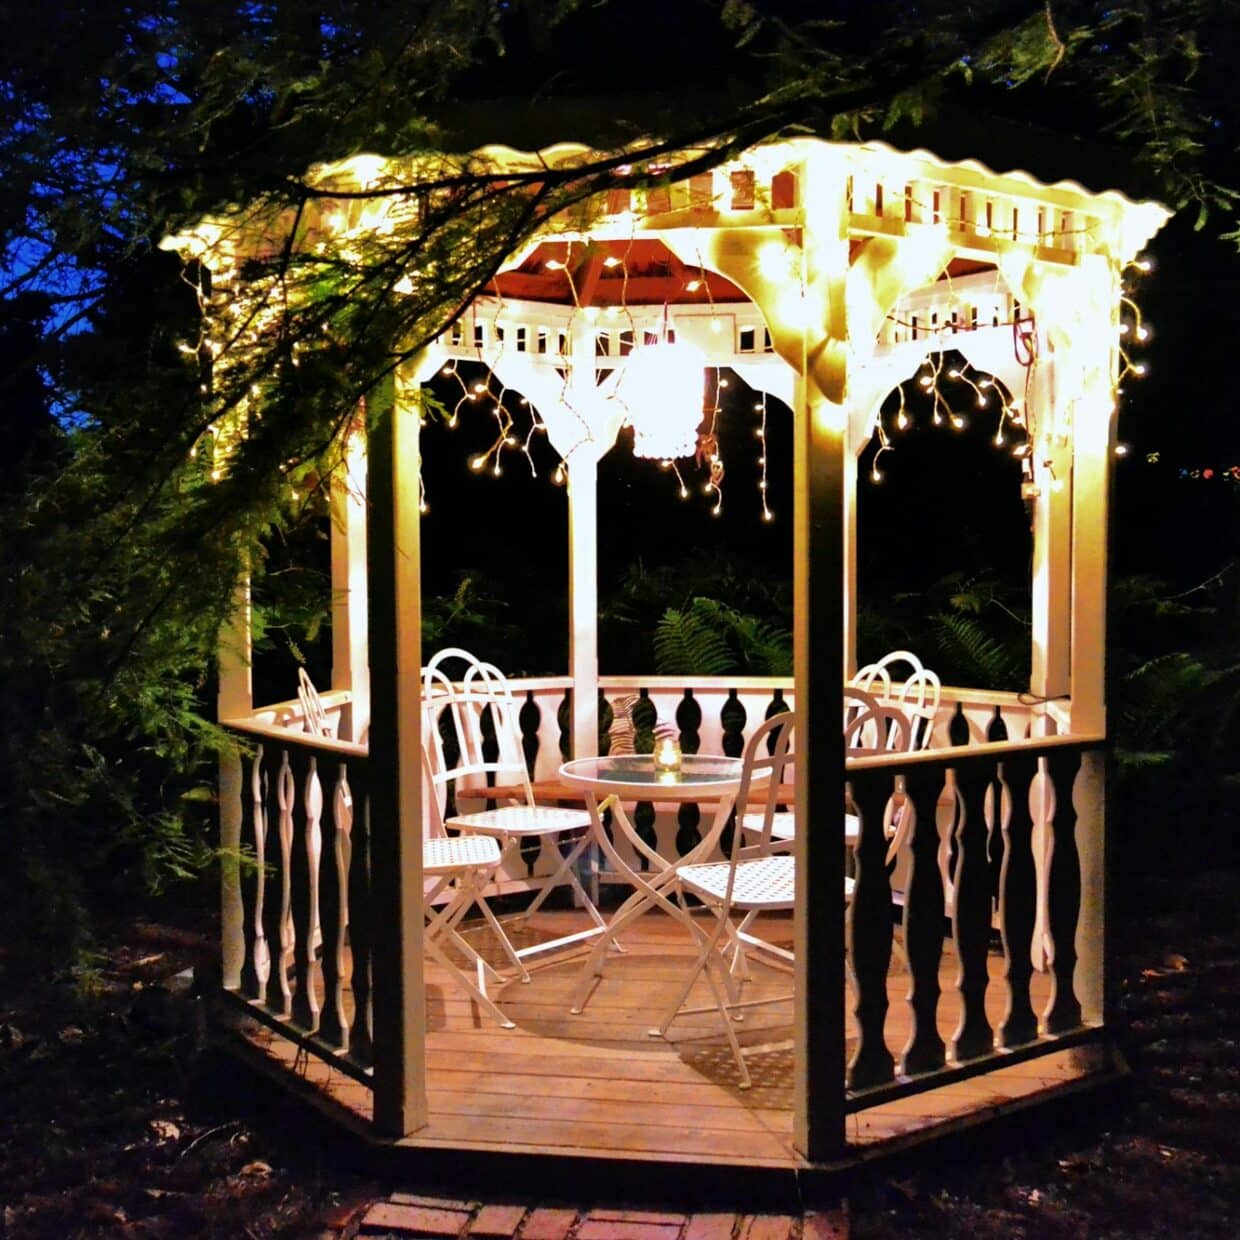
667	754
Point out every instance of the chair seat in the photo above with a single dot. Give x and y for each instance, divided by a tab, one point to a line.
522	820
765	882
450	853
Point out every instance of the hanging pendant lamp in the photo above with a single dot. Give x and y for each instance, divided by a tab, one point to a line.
662	387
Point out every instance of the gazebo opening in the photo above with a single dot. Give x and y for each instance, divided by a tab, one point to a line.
944	527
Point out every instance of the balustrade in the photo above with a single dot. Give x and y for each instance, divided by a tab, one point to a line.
302	934
992	837
989	850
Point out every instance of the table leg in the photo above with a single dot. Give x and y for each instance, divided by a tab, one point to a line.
646	894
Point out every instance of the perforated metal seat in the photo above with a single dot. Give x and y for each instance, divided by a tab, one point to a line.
522	820
456	852
764	882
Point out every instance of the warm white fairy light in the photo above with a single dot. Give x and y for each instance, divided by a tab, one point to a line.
1011	411
760	408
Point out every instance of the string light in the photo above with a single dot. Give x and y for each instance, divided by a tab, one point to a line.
761	410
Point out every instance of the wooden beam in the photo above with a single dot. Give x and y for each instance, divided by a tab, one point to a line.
586	277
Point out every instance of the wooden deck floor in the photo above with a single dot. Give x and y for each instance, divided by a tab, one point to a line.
599	1084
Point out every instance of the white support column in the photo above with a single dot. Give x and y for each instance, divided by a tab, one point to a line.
820	520
350	644
1093	458
1093	450
583	547
851	585
396	834
583	603
235	700
1052	548
235	695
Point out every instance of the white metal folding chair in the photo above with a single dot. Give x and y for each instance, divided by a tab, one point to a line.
753	880
871	725
481	714
313	715
455	872
917	695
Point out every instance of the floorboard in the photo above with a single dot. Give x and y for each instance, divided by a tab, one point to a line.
599	1083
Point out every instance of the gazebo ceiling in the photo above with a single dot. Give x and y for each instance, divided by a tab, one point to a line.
641	271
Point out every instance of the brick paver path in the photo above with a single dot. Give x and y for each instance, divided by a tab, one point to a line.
404	1215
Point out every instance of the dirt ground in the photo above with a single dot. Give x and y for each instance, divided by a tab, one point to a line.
115	1118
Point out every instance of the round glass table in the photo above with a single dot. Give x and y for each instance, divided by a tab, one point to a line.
607	784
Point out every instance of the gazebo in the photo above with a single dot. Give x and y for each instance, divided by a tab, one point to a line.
824	274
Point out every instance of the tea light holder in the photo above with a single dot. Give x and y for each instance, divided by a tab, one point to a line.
667	755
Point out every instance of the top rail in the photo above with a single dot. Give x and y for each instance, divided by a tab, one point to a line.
251	726
989	752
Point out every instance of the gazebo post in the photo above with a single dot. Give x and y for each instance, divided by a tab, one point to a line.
395	827
1052	550
819	522
583	602
1093	457
350	648
582	471
849	484
235	700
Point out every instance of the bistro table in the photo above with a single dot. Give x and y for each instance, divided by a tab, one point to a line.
607	783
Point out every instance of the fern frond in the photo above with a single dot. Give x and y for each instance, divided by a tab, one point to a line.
982	659
685	645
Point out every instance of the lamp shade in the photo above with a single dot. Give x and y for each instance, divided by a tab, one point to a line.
662	388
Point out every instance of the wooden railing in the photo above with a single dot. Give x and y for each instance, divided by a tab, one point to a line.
297	933
990	848
1018	853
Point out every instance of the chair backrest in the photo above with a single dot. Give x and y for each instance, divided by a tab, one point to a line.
470	727
872	726
313	715
918	697
766	763
917	694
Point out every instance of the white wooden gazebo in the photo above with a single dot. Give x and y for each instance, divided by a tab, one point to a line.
824	274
